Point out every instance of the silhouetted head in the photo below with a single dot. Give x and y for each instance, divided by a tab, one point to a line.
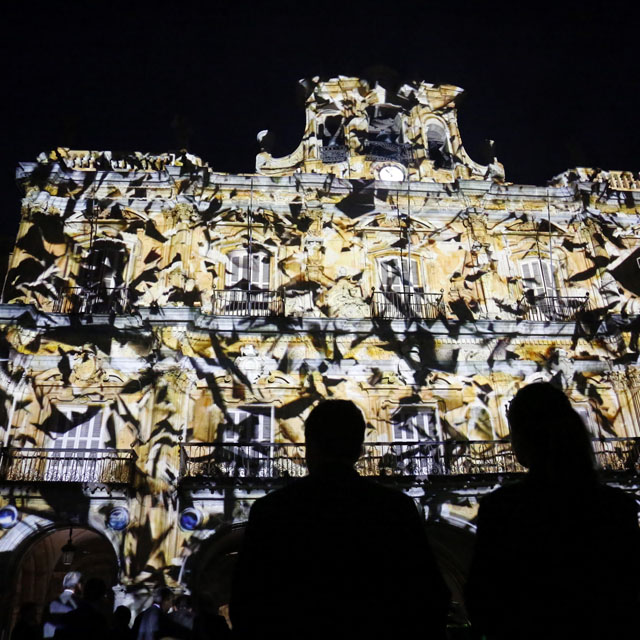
548	435
72	580
334	433
94	589
163	596
122	616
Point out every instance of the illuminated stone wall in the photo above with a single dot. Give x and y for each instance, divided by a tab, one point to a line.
447	290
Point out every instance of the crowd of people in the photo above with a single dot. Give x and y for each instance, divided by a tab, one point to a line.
82	612
337	555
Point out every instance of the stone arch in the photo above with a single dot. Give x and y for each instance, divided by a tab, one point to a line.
208	572
33	565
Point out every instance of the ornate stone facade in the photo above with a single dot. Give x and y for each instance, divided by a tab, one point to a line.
179	323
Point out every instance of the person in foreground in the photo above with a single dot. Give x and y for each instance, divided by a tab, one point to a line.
334	554
557	554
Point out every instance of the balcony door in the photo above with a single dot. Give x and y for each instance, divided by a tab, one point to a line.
252	428
401	295
415	432
538	277
247	284
101	285
246	271
77	432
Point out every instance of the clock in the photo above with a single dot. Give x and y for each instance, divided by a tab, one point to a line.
390	173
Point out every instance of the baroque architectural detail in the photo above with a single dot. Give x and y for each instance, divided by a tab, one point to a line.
200	315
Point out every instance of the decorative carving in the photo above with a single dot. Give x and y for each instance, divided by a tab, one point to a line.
254	365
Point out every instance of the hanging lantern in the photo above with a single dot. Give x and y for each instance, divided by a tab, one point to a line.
68	551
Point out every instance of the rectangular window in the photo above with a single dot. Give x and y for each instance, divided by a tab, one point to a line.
87	434
252	428
538	276
415	423
398	275
78	431
249	424
242	271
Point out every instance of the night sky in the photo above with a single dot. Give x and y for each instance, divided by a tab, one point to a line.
554	87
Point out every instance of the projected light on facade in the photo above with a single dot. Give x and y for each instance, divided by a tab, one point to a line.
168	327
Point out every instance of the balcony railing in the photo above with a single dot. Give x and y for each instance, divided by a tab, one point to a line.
98	300
330	154
240	302
558	308
99	466
224	461
377	150
406	304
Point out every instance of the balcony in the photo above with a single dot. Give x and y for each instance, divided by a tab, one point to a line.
241	302
98	300
380	151
391	305
94	466
269	461
554	308
330	154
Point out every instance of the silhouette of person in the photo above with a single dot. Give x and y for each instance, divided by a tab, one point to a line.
557	554
334	554
121	620
67	601
154	623
87	620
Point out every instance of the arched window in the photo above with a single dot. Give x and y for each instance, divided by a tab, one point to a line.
438	145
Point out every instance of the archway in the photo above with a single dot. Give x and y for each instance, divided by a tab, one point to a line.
209	571
40	568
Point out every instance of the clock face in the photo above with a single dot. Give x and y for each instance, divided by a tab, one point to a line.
391	173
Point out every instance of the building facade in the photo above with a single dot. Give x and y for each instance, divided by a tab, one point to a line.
167	327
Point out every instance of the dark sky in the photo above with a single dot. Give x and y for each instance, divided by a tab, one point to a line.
554	87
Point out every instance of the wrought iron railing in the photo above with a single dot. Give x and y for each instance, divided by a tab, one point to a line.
559	308
240	302
332	153
220	461
100	466
377	150
388	305
617	454
98	300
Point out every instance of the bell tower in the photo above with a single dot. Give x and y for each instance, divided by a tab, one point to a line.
357	131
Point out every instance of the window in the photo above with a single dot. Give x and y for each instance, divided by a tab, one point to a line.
415	434
244	271
415	423
100	281
398	274
438	146
401	295
251	428
538	277
70	460
249	424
